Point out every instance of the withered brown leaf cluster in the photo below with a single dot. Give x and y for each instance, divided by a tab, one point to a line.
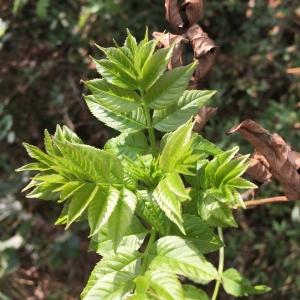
274	155
188	31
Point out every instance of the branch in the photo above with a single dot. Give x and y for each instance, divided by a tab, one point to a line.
253	203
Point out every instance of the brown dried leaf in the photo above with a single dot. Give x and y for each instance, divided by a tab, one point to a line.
165	41
283	165
173	16
258	169
202	117
193	10
204	50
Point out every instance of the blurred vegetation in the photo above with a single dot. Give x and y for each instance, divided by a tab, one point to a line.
44	52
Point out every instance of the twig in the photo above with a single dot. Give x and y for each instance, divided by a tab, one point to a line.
253	203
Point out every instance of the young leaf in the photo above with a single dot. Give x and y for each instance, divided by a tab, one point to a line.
101	208
193	293
123	122
130	43
128	144
113	276
70	136
143	53
169	87
214	212
81	199
171	118
237	285
39	155
88	159
48	143
169	203
218	161
68	189
149	210
176	146
121	216
112	286
154	67
203	146
198	181
231	169
176	255
115	74
112	97
199	234
133	238
165	284
241	183
45	191
122	57
34	167
176	185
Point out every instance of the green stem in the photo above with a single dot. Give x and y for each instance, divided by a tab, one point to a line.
221	265
150	128
145	260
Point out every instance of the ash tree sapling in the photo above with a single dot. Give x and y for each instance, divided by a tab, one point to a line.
167	196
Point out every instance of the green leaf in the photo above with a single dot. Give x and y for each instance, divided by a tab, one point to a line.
45	191
176	255
121	216
198	181
237	285
111	287
112	97
48	143
154	67
34	167
130	43
122	57
203	146
101	208
68	189
128	144
62	219
51	178
169	203
112	275
169	87
115	74
143	53
176	185
133	238
218	161
70	136
199	234
193	293
37	154
231	169
123	122
149	210
241	183
177	145
171	118
214	212
165	284
81	199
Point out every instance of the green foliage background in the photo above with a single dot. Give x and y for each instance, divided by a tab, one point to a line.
44	54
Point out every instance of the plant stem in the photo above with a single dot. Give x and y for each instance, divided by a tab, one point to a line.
221	265
150	128
151	131
252	203
145	260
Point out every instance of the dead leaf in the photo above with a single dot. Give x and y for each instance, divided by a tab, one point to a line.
193	10
258	170
202	117
204	50
173	16
166	40
283	165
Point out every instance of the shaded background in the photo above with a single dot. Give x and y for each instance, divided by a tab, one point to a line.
44	52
